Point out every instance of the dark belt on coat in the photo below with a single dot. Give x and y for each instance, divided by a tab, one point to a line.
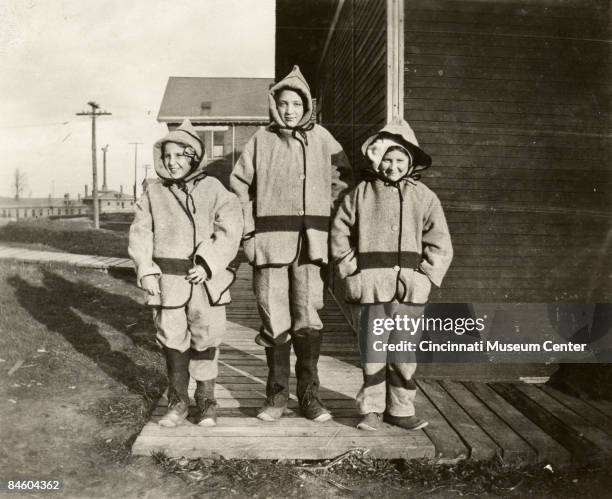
386	259
173	266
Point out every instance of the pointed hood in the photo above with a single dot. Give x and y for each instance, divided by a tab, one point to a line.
293	81
185	135
400	134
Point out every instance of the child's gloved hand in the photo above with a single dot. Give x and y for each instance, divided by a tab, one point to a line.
196	274
150	284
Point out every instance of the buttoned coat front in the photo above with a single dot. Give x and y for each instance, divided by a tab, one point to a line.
169	234
179	224
390	242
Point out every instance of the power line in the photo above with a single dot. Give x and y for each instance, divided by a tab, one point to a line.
33	125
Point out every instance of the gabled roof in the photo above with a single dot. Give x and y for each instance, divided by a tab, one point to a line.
215	100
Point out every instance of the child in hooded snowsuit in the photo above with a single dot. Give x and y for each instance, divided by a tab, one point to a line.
186	231
390	242
288	178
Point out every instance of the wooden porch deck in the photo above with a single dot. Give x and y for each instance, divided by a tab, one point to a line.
471	415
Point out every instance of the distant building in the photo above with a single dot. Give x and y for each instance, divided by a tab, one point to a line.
111	201
224	111
42	207
26	208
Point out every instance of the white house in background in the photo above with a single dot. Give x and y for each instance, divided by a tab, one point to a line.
111	201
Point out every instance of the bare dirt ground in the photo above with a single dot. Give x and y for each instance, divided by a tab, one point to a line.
79	372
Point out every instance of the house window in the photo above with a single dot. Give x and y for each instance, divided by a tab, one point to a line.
218	140
108	203
122	204
205	107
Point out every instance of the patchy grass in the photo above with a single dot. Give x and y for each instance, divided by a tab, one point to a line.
84	373
70	235
361	476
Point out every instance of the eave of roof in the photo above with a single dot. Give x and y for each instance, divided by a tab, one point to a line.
217	120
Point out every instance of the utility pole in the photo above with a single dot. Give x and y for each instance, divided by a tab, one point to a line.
104	149
146	174
135	144
94	113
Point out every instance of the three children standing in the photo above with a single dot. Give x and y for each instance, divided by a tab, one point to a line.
389	240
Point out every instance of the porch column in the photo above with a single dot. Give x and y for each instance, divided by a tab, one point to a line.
395	60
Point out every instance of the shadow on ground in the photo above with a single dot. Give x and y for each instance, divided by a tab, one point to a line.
82	314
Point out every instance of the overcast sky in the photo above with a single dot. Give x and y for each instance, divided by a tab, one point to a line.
56	55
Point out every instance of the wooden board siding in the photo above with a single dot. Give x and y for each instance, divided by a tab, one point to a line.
352	84
513	101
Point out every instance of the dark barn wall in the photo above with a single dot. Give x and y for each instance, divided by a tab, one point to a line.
301	30
512	100
352	83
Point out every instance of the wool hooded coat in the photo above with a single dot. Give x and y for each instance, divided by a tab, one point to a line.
288	180
181	223
390	240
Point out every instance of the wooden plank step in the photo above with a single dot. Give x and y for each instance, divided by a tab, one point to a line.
344	357
341	386
548	449
513	448
283	447
299	427
252	410
244	341
480	445
248	391
449	447
256	401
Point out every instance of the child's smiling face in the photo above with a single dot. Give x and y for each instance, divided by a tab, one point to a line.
395	164
290	107
175	161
